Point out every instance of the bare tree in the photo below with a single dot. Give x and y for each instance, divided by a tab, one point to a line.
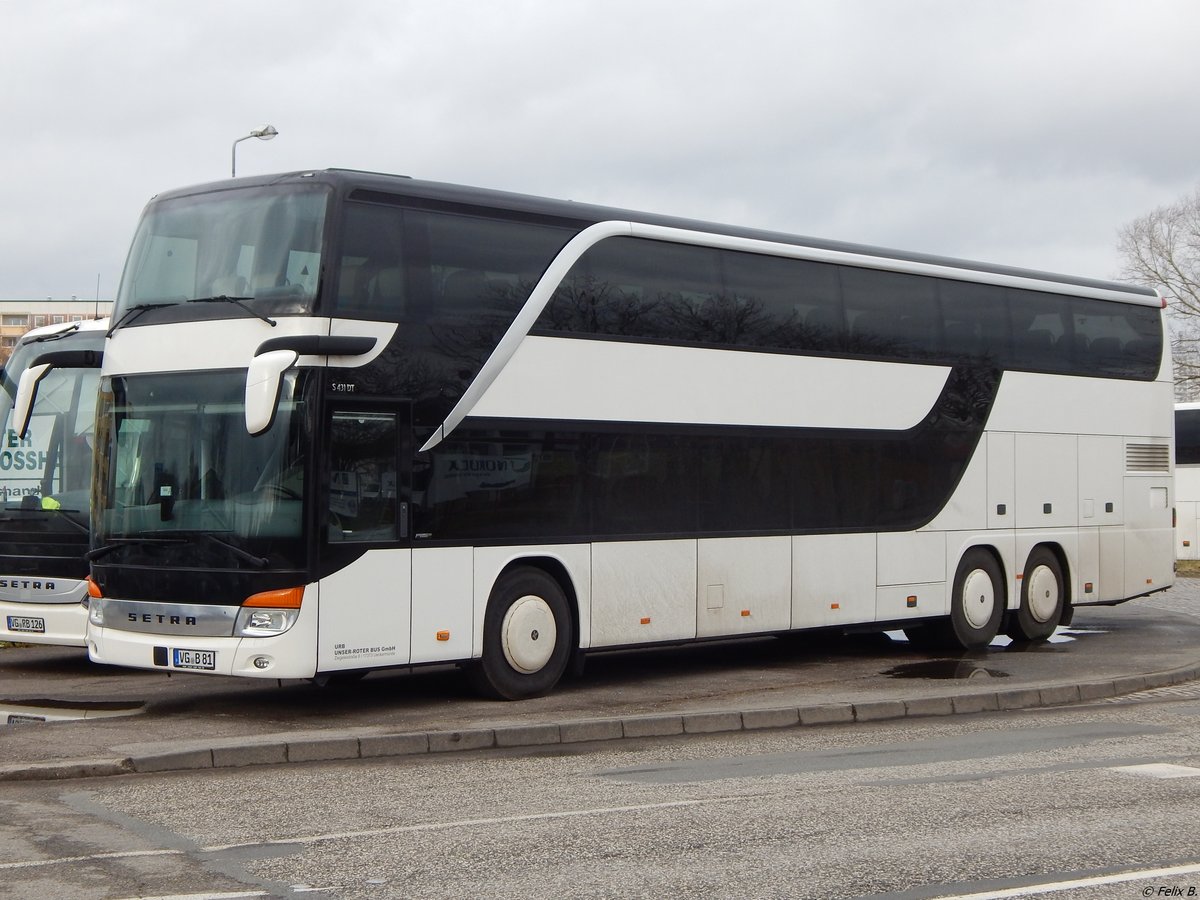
1162	248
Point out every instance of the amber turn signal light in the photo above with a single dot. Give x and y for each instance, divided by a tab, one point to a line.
286	598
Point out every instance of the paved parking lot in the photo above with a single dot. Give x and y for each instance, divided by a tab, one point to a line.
732	684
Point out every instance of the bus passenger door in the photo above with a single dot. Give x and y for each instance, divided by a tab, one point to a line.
365	594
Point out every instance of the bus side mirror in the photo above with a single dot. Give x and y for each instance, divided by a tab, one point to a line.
26	394
38	369
262	387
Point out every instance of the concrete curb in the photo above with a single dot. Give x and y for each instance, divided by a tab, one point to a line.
341	747
66	769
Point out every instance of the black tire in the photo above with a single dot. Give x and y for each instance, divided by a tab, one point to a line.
977	602
1042	597
526	636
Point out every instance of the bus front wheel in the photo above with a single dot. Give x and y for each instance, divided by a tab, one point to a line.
526	636
1042	598
977	604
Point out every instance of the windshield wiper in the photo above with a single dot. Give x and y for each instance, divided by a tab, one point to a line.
66	514
236	301
134	311
56	336
98	552
259	562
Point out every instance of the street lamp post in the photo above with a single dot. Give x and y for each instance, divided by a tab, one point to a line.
265	133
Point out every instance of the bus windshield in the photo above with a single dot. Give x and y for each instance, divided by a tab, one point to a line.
50	468
179	463
255	245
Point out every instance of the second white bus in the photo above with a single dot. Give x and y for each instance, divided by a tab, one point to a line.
45	484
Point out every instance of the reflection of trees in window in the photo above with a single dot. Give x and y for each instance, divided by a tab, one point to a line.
718	319
585	304
402	371
663	292
454	283
967	397
866	341
437	352
465	335
890	314
659	291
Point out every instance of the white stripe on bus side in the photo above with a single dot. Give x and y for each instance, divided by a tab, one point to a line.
569	379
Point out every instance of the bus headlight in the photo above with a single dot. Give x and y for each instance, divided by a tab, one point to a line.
95	608
258	622
269	613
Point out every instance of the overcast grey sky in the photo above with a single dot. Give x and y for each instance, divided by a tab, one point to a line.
1015	131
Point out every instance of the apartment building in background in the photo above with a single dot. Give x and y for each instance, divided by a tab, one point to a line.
20	316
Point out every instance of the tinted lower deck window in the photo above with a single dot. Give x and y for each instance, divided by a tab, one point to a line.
522	481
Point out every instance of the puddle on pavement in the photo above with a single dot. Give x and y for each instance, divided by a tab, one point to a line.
37	712
948	669
945	669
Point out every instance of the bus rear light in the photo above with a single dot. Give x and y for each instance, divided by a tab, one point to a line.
287	598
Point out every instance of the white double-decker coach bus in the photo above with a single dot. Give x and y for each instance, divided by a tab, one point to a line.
45	480
352	420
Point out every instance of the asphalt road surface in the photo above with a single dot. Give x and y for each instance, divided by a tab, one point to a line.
1103	796
183	713
1099	799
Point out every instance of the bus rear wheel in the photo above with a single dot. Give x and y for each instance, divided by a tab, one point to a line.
1042	598
526	636
977	604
